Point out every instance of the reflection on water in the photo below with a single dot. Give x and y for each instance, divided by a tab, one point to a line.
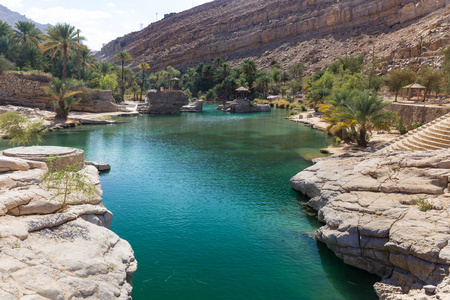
204	199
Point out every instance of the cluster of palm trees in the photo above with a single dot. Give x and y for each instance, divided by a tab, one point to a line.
44	51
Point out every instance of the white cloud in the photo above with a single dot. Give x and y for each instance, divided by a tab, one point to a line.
54	15
13	5
93	23
110	4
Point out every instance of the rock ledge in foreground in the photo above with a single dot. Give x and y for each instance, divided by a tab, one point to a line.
370	206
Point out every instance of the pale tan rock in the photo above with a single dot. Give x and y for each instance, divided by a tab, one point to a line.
370	206
47	254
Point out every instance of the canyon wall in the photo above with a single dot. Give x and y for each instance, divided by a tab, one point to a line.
280	29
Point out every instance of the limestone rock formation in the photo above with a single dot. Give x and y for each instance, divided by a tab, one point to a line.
244	106
26	90
387	214
314	32
46	253
164	102
196	106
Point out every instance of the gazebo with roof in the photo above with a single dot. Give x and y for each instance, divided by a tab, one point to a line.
414	86
242	91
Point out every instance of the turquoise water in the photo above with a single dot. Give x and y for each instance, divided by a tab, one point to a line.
204	200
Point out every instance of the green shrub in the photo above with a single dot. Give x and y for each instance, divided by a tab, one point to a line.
416	125
400	126
5	64
422	203
20	130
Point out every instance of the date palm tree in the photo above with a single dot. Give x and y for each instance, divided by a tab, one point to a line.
63	37
123	57
64	98
366	112
5	29
87	59
144	67
27	34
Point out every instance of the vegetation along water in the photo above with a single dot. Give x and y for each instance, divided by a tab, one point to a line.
204	200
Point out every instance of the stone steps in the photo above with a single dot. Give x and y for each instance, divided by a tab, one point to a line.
434	135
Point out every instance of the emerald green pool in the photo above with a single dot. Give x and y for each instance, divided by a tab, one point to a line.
204	200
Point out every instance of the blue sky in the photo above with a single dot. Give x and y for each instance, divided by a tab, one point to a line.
100	21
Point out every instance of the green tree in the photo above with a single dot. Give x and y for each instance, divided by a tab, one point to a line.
27	34
5	29
143	67
430	79
123	57
297	70
5	64
63	37
108	82
65	98
398	78
264	83
21	130
366	112
249	68
69	183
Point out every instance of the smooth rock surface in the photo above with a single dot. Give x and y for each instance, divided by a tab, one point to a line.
57	156
370	206
46	253
196	106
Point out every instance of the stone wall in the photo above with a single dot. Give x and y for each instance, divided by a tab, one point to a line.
411	113
27	90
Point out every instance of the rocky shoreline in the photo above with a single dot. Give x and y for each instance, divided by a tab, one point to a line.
46	253
386	214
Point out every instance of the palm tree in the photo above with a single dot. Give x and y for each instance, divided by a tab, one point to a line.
123	57
144	67
28	34
63	37
249	68
331	109
366	112
5	29
264	83
105	68
64	98
87	59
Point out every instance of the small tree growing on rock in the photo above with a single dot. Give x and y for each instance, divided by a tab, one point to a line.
20	130
69	183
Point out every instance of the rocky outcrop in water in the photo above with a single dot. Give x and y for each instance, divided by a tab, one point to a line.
166	102
244	106
46	253
387	214
196	106
314	32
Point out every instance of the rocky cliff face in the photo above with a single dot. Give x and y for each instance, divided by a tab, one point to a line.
46	254
313	31
387	214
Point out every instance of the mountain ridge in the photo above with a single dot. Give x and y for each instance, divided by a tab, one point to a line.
288	30
12	17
